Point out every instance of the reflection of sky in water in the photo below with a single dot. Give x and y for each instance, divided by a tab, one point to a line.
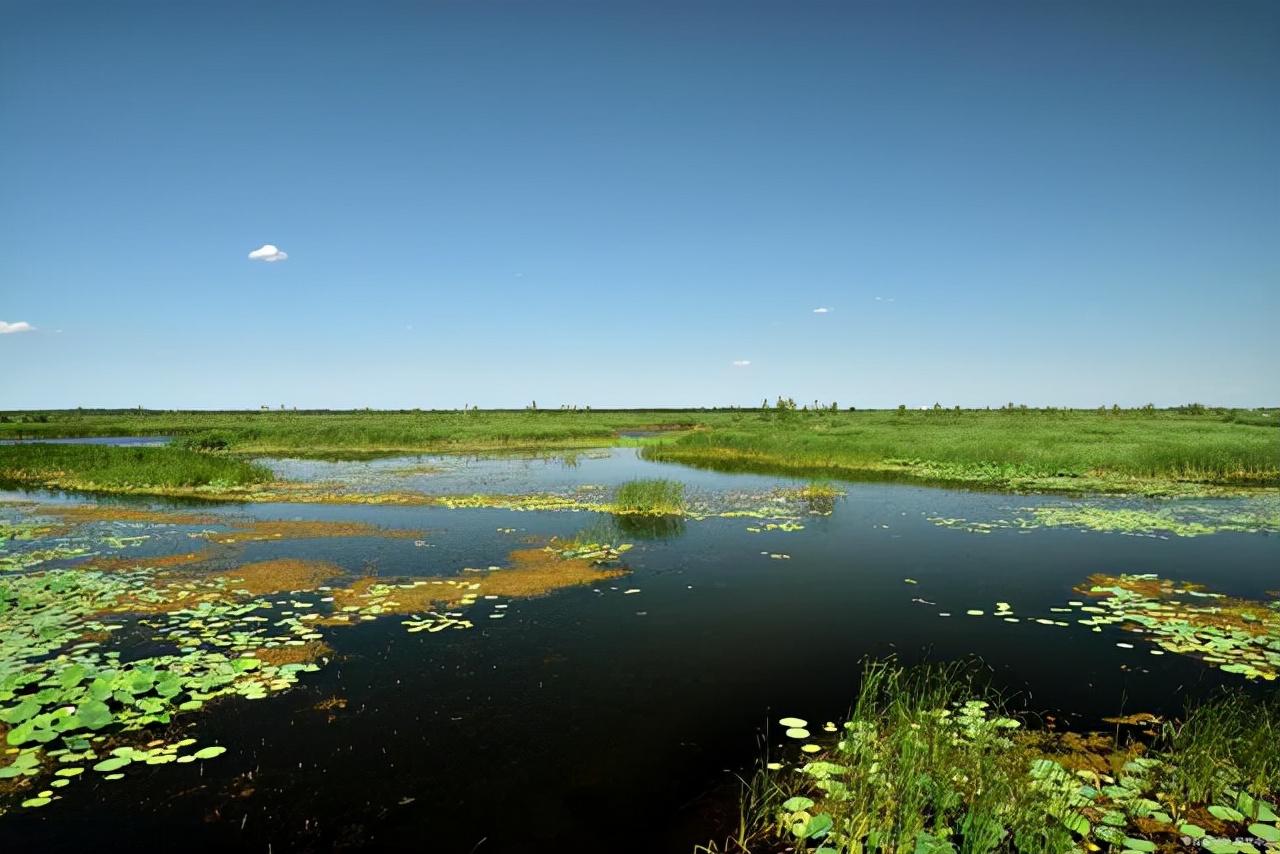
452	475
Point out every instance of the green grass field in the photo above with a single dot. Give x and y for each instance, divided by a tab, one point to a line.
1151	451
99	467
1014	449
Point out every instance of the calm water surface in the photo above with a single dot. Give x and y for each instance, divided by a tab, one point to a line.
593	720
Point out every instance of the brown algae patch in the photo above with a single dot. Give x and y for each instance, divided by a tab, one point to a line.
169	561
305	654
531	572
240	529
301	529
283	575
85	513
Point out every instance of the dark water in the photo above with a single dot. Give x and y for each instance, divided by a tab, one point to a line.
593	720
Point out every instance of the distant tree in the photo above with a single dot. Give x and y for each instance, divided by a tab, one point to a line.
902	409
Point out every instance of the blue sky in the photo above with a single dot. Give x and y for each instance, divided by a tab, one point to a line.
1063	203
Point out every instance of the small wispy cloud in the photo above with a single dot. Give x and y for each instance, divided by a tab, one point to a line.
7	328
741	363
268	252
884	299
822	310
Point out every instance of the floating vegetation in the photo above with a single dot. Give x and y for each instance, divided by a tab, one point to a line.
1248	516
928	761
1237	635
95	657
785	527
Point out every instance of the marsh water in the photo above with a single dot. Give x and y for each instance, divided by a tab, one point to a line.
613	716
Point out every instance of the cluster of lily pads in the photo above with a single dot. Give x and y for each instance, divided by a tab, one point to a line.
66	698
1238	636
93	660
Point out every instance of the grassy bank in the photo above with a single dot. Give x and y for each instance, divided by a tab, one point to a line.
1150	452
122	469
929	761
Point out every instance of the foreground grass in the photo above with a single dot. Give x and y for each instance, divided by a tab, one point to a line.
1156	452
930	762
100	467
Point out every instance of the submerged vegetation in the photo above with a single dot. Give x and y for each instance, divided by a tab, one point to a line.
931	761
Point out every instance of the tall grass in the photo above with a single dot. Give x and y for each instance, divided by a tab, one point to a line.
1230	742
929	760
109	467
657	497
921	760
997	448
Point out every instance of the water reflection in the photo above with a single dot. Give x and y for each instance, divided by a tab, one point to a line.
649	527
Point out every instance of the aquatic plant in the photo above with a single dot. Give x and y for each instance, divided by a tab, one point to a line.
656	497
930	761
1259	514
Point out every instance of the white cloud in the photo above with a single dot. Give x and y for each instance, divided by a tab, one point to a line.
823	310
17	326
741	363
267	252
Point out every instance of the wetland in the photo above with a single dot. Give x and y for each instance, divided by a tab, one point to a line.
730	631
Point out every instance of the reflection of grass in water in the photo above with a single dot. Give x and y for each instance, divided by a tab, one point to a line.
656	496
642	526
930	761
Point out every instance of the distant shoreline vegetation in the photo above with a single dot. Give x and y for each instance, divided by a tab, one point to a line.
1189	450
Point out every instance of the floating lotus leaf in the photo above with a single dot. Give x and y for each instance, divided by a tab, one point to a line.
1265	832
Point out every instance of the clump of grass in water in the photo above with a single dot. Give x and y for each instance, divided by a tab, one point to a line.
922	766
922	761
658	497
1230	742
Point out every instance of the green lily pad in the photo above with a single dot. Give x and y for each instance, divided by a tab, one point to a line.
209	752
112	764
1265	832
1222	813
